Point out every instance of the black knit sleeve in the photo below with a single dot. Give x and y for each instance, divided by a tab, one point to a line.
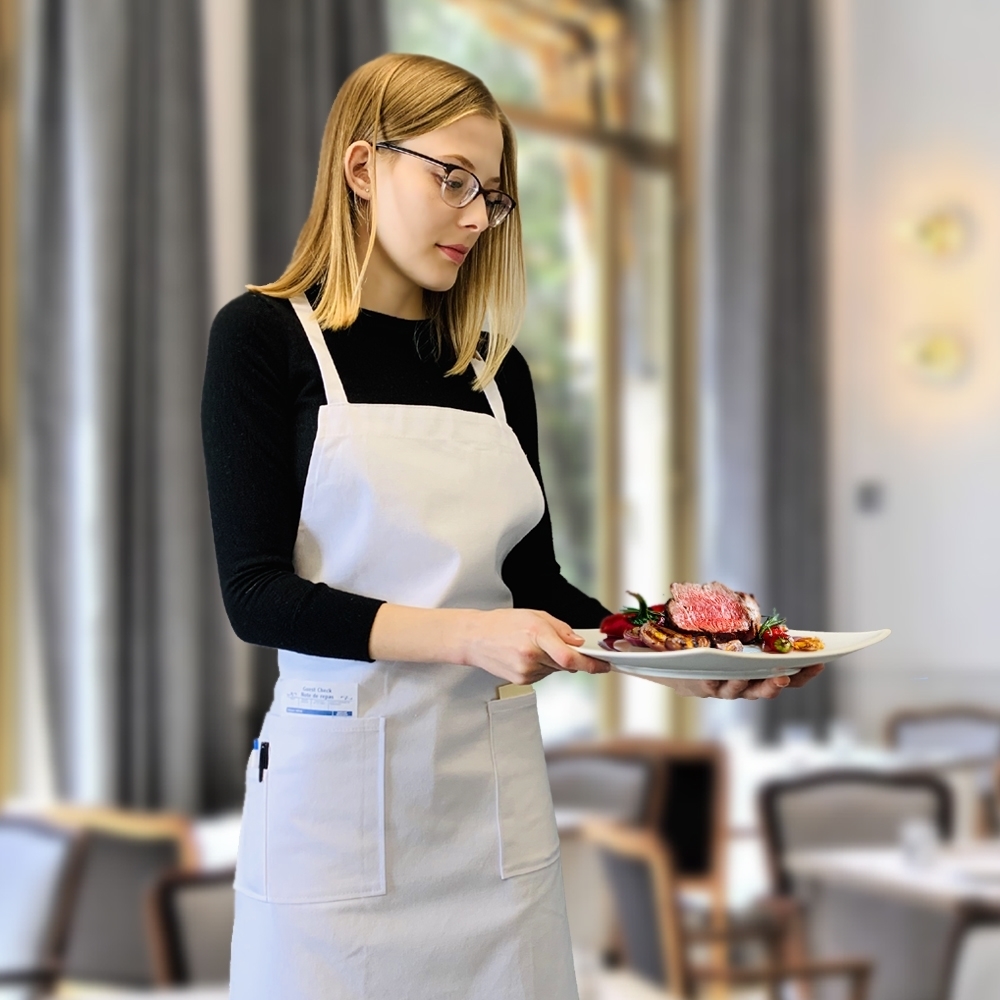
248	433
531	570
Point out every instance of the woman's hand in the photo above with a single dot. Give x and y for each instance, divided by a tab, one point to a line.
524	646
517	645
750	690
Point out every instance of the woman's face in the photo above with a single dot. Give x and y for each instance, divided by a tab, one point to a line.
413	223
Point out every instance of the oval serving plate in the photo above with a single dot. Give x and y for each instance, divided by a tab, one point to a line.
716	664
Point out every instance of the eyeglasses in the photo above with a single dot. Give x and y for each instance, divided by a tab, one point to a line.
460	186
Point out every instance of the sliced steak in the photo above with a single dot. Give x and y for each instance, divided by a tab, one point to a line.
714	610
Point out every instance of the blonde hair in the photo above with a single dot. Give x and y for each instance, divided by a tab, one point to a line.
390	99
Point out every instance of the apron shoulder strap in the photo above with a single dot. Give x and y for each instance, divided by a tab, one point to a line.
493	396
332	385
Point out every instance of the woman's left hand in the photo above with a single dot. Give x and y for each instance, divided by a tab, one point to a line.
750	690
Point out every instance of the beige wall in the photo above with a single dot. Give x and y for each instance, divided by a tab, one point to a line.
912	131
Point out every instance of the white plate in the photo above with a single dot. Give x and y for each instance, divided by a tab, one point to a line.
716	664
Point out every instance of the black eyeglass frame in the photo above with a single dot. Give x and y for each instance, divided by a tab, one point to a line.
448	168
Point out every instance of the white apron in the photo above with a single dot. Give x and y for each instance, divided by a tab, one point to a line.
409	851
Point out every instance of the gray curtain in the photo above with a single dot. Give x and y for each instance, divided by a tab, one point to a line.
125	634
129	638
302	51
763	365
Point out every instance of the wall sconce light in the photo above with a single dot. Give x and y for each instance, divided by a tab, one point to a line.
938	354
943	233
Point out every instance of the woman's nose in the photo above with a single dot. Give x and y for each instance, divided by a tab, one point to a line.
475	213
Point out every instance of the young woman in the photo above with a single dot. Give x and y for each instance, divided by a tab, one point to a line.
379	518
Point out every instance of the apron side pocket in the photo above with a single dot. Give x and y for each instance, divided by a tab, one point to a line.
251	872
325	809
526	822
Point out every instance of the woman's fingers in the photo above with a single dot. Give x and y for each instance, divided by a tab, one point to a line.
768	688
730	690
805	675
564	631
551	643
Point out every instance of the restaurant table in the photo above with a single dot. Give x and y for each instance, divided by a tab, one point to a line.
903	914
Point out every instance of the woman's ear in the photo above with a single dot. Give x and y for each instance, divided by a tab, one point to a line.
359	167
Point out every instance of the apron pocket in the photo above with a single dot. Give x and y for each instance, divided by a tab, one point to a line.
325	809
250	877
525	820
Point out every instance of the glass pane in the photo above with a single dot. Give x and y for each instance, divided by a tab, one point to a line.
646	424
443	30
559	337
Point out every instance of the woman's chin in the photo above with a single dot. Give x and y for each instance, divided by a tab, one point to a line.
438	282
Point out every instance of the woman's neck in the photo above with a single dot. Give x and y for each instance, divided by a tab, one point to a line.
386	289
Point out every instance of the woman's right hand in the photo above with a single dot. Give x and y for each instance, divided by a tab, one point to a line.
523	646
514	644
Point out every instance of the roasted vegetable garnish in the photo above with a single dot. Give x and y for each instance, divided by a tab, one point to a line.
807	644
730	646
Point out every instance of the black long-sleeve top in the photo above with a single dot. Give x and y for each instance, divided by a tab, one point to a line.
261	395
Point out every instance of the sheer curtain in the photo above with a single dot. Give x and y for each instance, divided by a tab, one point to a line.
134	686
763	379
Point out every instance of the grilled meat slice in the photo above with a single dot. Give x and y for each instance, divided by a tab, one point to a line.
666	640
714	610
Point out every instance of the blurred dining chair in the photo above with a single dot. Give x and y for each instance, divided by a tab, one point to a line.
962	729
969	733
847	808
682	799
190	926
126	852
974	967
39	874
994	817
657	945
586	780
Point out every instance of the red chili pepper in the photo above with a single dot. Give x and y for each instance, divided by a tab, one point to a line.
615	626
776	640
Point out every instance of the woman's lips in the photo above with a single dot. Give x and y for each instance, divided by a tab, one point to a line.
454	255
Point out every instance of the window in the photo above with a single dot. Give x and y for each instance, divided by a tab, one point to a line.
592	97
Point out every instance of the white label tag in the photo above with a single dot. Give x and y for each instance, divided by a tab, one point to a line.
320	698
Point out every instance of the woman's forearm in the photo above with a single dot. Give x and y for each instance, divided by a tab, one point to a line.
421	635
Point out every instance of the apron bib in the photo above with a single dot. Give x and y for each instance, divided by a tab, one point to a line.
408	849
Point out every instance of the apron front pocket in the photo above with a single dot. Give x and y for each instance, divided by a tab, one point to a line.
325	803
525	819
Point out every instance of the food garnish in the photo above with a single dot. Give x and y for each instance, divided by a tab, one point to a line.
773	636
807	644
699	615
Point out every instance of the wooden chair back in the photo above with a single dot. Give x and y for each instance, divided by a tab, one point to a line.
686	801
973	967
40	867
190	925
847	808
638	871
965	729
127	851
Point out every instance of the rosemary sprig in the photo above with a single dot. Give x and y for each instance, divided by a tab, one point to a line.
640	615
771	621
